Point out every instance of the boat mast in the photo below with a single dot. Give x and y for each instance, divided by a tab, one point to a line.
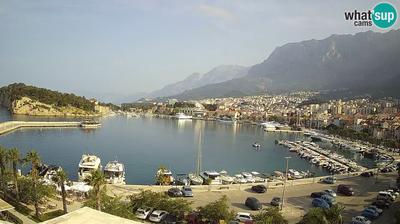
198	167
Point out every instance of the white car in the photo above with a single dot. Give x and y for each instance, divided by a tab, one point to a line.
243	217
143	213
360	220
158	215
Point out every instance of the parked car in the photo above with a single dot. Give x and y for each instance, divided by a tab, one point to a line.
174	192
243	217
320	203
276	201
317	194
369	214
360	220
345	190
329	199
259	188
385	170
253	203
330	192
384	195
367	174
170	219
395	194
158	216
381	204
187	191
375	208
329	180
143	213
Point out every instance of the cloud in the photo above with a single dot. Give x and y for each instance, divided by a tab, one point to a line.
213	11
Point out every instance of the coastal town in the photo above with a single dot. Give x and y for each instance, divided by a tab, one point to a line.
328	122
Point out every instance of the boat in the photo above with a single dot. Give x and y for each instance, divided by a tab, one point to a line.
90	124
226	119
182	179
211	177
114	172
182	116
269	125
256	145
249	177
195	178
164	177
258	177
226	179
87	164
48	172
239	179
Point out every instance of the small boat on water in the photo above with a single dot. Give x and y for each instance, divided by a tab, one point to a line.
90	124
114	172
195	179
164	176
226	119
226	179
87	164
256	145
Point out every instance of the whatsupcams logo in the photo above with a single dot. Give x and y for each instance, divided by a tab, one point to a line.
383	16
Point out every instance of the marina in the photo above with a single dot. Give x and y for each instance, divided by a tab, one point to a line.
143	144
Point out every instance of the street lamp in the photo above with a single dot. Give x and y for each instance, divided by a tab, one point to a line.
284	184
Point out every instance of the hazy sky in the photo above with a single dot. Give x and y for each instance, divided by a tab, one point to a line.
127	46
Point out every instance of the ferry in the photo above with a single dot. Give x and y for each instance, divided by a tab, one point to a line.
182	116
87	164
114	172
90	124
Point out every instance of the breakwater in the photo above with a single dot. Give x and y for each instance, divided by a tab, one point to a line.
9	126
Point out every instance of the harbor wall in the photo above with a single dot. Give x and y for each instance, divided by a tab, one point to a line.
9	126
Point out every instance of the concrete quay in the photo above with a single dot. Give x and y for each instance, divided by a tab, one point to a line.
9	126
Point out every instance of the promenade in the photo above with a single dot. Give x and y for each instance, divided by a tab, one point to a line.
9	126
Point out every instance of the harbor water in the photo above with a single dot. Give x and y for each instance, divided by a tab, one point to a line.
143	144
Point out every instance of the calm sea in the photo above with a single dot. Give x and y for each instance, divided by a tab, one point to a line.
144	144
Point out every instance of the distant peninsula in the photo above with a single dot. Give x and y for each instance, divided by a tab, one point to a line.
21	99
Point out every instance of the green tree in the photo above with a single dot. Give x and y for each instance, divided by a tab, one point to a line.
33	158
3	172
216	211
15	158
60	178
270	216
333	215
162	179
97	180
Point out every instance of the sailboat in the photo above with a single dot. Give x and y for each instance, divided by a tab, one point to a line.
195	178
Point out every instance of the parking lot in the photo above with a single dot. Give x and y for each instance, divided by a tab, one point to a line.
298	199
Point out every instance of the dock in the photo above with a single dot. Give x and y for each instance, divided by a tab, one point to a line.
9	126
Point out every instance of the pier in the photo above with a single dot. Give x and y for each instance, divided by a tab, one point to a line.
9	126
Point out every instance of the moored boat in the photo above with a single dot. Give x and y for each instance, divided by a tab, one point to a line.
114	172
195	179
87	164
90	124
164	177
226	179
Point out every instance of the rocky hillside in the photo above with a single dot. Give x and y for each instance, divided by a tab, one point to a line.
29	100
364	63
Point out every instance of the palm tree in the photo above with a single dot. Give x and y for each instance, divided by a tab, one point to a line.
3	162
97	180
14	157
34	159
334	214
60	178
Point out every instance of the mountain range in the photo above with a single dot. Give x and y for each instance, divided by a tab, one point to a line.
366	62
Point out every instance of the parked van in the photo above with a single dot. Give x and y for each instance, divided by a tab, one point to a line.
345	190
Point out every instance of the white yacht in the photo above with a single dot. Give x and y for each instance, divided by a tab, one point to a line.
258	177
88	164
195	179
249	177
182	116
211	177
225	178
90	124
164	176
239	179
114	172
